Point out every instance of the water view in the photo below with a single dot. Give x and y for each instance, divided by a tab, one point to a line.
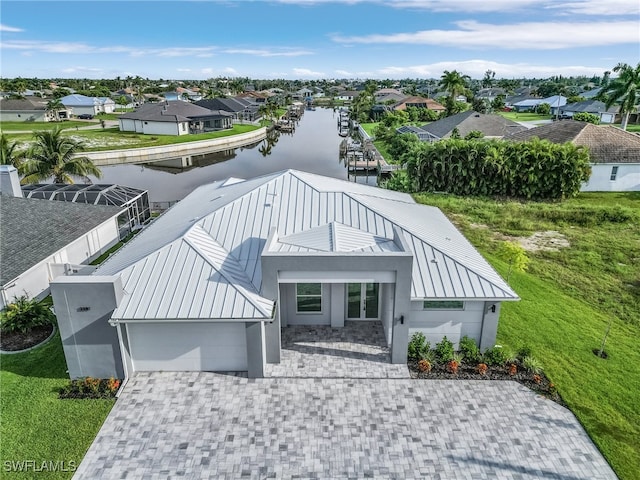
313	147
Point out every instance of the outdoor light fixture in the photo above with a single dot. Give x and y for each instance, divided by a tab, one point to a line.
401	319
491	309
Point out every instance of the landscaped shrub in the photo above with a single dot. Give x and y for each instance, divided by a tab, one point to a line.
444	350
532	364
25	314
90	387
513	369
524	351
494	356
469	349
424	365
454	363
482	368
418	346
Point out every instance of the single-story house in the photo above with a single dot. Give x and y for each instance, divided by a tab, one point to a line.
490	125
241	109
595	107
555	102
614	153
347	95
419	102
210	284
174	118
29	109
42	239
81	104
490	93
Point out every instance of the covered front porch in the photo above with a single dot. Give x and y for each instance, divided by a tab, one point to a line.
359	349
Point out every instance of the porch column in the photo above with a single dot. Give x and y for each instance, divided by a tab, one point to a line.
338	302
256	354
401	311
489	325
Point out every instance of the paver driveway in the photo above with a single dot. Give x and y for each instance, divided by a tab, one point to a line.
206	425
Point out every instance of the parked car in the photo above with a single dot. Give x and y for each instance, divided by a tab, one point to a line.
85	116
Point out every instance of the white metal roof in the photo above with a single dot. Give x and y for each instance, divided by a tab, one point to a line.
209	245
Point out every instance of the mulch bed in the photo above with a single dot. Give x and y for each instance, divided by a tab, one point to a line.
13	342
469	372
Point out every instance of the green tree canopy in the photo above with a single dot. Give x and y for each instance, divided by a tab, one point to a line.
623	90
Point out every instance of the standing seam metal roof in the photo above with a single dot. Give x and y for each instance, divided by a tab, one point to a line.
219	231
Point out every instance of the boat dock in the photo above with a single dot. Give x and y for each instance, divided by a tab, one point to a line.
365	158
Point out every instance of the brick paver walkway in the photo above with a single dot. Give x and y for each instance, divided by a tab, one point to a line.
206	425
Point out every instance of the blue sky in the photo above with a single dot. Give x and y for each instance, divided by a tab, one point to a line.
310	39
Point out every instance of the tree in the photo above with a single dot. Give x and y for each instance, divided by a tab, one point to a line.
9	153
122	101
498	102
515	255
54	155
454	84
623	90
543	109
55	105
488	79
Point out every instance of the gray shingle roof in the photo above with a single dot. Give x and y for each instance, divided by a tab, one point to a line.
589	106
607	144
22	104
170	111
31	230
489	125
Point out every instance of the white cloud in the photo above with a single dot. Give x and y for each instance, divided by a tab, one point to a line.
207	71
305	72
344	73
599	7
83	70
183	70
266	52
530	36
7	28
477	68
231	71
580	7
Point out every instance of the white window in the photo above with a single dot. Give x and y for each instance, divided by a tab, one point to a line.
308	297
614	173
443	305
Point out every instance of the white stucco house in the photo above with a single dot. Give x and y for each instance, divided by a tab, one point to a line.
211	283
40	238
614	153
81	104
174	118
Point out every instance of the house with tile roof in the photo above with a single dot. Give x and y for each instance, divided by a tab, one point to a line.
212	282
614	153
174	118
40	238
419	102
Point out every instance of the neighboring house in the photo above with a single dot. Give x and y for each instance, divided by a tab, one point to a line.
174	118
491	126
42	239
528	105
389	98
595	107
81	104
347	95
303	94
614	153
253	97
419	102
490	94
591	94
181	93
32	109
210	284
240	108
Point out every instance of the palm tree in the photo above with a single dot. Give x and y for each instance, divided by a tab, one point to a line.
454	84
55	105
9	153
54	155
624	89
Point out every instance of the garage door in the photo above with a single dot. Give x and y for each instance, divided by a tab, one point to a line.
188	347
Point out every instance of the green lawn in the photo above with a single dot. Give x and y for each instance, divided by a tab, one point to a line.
524	116
35	425
32	126
568	297
369	127
113	139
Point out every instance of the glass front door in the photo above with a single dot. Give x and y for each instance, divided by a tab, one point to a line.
362	301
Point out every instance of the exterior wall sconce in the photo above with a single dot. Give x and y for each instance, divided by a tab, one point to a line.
491	309
401	319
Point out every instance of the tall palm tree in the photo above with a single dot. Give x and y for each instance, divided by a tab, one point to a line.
9	153
625	89
453	83
54	155
55	105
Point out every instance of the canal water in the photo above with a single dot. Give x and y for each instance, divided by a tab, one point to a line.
313	147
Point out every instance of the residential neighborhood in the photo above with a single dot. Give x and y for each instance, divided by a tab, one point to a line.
346	239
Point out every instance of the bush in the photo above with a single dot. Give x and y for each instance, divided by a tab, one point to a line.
524	351
25	314
89	387
468	349
587	117
532	365
418	347
495	356
444	350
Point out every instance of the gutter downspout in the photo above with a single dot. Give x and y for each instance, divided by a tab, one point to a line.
124	362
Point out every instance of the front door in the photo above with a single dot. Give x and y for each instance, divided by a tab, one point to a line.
362	301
